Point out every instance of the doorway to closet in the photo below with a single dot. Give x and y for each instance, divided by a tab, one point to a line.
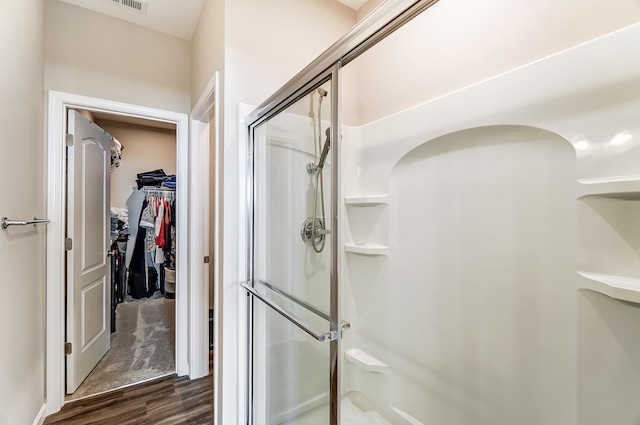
192	292
142	255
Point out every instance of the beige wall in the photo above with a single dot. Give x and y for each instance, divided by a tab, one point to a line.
285	36
99	56
207	47
207	53
460	42
22	329
146	149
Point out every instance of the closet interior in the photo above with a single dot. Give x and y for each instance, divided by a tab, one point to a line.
142	253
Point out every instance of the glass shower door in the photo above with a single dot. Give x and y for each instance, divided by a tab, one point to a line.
293	337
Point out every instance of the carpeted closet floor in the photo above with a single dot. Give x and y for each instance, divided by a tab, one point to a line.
142	348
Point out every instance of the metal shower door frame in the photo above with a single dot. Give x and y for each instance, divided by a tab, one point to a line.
380	23
336	327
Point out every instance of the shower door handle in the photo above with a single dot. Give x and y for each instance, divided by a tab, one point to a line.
318	336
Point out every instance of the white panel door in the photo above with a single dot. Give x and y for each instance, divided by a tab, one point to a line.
88	271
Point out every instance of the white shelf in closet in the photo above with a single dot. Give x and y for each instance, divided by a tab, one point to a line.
367	200
618	287
622	187
366	249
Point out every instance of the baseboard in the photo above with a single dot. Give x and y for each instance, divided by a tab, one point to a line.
42	415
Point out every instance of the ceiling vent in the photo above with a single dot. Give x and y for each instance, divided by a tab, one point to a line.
139	6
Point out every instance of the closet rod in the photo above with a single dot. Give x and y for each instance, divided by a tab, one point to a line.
153	190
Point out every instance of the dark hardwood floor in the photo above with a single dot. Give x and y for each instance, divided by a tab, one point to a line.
166	401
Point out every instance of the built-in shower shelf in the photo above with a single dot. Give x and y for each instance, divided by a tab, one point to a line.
365	360
618	287
365	201
366	249
627	187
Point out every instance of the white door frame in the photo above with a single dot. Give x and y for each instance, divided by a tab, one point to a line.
58	103
204	111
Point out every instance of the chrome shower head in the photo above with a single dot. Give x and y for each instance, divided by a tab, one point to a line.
322	92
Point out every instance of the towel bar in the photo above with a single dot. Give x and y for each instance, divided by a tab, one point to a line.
6	222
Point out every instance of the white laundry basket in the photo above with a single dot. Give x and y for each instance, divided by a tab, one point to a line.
170	282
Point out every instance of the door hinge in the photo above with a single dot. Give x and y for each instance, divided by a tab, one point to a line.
69	139
206	259
67	348
68	244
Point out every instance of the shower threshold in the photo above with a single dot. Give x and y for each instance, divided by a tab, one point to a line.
357	409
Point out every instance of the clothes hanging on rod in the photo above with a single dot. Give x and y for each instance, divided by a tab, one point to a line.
155	242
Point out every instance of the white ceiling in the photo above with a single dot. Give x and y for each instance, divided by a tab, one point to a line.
177	18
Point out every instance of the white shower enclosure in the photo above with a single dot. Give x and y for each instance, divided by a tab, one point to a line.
480	251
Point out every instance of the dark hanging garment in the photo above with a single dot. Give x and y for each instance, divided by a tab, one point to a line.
161	279
152	281
139	287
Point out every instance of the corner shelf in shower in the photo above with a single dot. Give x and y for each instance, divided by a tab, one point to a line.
366	249
367	200
624	187
365	360
618	287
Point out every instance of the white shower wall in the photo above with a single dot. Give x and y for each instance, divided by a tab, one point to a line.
490	269
473	309
457	43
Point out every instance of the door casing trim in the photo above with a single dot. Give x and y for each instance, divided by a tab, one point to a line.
206	110
58	103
